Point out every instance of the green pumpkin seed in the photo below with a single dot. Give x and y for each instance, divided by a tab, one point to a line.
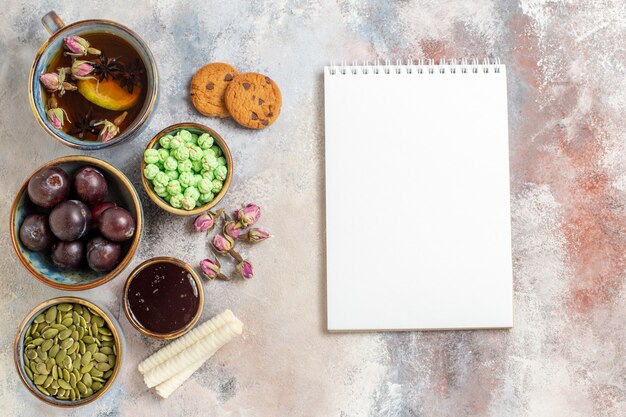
53	391
38	341
55	372
40	379
64	334
81	332
42	389
50	363
73	380
93	348
55	384
64	384
29	373
66	375
51	315
86	368
31	354
100	357
107	374
89	339
53	351
81	387
87	380
33	367
75	317
48	381
79	308
96	373
41	368
86	358
72	395
106	338
73	349
94	328
108	343
95	386
41	354
65	344
75	334
64	307
104	331
103	366
98	379
82	348
87	316
82	321
40	318
58	326
60	357
67	321
106	350
50	333
47	344
28	340
68	363
111	360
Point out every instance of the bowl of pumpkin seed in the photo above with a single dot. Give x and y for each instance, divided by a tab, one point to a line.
68	351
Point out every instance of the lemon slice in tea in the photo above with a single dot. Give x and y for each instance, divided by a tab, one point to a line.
109	94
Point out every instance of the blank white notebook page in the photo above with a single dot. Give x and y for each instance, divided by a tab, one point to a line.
417	198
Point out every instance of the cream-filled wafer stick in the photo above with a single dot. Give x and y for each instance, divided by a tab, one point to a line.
193	354
166	388
186	341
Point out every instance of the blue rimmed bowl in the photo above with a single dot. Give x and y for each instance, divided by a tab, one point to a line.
120	190
51	47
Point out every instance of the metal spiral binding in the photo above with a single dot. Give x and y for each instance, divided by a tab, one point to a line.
419	66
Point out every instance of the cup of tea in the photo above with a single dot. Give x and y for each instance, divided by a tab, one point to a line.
93	84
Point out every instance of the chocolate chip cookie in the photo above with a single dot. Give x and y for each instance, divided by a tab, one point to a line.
208	86
253	100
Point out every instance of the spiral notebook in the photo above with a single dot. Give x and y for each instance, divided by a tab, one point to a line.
417	196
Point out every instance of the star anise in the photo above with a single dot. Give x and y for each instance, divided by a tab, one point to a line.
129	76
83	123
107	67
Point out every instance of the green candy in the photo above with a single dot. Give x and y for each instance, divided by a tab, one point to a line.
210	152
205	141
165	141
205	186
184	135
151	156
208	174
176	201
150	171
195	153
170	164
174	188
217	150
161	191
220	172
176	142
195	180
185	179
217	186
161	179
206	197
209	162
194	138
196	166
188	203
163	154
192	192
172	174
184	165
181	153
221	161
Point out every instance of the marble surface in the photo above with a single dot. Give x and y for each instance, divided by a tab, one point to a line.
565	355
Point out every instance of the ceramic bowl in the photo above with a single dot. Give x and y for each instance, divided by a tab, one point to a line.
22	334
39	265
197	129
58	30
128	311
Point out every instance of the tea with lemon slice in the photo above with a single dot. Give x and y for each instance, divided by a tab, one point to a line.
95	86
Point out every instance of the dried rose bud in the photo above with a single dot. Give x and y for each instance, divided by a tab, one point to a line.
256	235
248	215
212	269
78	46
232	229
223	244
245	269
57	117
82	69
51	82
110	130
204	222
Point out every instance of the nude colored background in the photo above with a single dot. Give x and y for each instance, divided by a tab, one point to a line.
565	355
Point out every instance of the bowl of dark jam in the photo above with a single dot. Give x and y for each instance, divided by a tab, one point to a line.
163	298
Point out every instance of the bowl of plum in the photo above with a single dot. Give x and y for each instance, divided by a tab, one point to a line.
76	223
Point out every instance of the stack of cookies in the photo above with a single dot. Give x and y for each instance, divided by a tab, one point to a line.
253	100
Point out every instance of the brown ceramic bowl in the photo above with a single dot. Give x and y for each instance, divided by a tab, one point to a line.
197	129
20	364
179	332
38	263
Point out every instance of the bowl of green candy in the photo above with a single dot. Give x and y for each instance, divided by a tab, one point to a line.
186	168
68	351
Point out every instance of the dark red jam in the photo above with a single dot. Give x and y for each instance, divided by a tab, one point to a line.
163	297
